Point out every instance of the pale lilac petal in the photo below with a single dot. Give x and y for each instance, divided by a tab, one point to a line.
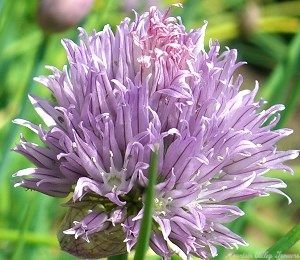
159	245
93	222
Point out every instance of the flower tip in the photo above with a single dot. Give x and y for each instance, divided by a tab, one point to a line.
69	231
18	184
281	107
240	213
295	153
31	99
16	121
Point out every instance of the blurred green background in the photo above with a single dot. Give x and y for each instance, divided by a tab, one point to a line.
267	36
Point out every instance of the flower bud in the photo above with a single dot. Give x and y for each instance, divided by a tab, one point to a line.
60	15
107	242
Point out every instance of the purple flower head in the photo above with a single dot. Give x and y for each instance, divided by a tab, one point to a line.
151	85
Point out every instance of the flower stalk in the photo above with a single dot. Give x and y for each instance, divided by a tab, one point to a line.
146	224
284	243
118	257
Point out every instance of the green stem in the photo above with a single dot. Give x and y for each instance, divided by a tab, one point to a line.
276	87
146	225
271	44
287	241
291	105
118	257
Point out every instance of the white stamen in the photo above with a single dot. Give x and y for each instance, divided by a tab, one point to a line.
74	145
220	158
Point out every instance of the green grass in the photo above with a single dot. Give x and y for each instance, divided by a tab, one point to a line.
29	220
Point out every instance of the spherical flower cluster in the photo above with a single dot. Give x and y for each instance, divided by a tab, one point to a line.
151	85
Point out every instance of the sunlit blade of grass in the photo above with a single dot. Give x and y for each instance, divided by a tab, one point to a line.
222	32
283	244
279	24
230	30
282	8
13	235
146	223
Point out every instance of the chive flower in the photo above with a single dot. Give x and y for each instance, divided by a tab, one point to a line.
149	85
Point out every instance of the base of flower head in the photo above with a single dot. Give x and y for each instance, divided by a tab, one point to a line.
105	238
